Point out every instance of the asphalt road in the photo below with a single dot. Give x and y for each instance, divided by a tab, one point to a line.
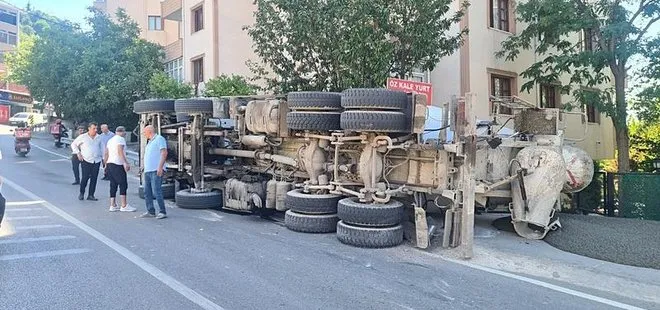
60	253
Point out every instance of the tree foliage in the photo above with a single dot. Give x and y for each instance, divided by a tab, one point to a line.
224	85
617	35
93	75
162	85
644	145
337	44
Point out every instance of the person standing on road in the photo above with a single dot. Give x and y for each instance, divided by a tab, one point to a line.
89	150
154	167
106	135
116	166
75	162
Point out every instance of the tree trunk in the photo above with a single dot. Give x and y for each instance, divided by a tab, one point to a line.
620	122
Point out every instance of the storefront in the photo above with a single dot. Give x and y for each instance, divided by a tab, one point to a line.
17	102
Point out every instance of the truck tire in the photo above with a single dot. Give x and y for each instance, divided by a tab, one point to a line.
168	191
183	118
369	237
303	203
153	106
374	121
188	200
194	106
306	223
374	99
311	100
304	120
353	212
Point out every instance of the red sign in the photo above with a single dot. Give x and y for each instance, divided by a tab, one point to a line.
4	114
412	87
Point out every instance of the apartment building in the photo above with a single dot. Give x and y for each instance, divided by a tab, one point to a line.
474	68
16	96
215	42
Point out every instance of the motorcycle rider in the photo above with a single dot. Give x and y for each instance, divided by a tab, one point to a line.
58	132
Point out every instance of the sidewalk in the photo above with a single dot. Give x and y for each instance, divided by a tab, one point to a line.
508	252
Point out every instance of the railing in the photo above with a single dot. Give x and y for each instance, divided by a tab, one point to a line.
171	9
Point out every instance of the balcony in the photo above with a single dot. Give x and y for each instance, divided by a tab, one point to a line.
101	5
174	50
171	9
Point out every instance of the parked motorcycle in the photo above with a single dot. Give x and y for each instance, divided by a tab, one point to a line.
22	136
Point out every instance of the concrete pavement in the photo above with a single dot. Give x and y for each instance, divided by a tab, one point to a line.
57	252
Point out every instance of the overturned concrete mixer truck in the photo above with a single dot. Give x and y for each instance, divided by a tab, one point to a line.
362	162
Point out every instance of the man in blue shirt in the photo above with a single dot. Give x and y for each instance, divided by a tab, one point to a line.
154	167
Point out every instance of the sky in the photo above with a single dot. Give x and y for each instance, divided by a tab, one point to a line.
73	10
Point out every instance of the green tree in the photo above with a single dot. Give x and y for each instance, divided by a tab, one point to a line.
90	75
644	144
616	34
337	44
224	85
162	85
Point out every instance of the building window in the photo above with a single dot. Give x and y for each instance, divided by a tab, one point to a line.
549	96
499	14
8	17
501	86
198	19
589	39
155	23
198	70
593	115
8	37
174	69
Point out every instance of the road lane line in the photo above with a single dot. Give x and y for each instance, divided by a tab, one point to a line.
21	209
26	162
547	285
43	254
24	203
57	160
36	227
69	158
166	279
26	240
21	218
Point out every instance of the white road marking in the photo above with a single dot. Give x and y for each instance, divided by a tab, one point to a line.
166	279
547	285
36	227
24	203
21	209
26	240
21	218
26	162
43	254
56	160
69	158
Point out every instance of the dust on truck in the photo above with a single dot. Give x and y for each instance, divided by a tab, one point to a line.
358	162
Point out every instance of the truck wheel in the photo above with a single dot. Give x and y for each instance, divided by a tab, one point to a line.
303	120
194	106
311	100
168	191
183	118
374	99
153	106
303	203
374	121
189	200
325	223
353	212
369	237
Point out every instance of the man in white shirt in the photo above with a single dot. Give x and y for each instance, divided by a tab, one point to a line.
116	167
89	150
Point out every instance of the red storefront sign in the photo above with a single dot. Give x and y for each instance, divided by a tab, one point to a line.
412	87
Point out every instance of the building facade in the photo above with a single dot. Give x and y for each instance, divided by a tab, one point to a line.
205	38
16	96
202	39
475	69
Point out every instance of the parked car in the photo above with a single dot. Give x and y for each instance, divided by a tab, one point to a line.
27	118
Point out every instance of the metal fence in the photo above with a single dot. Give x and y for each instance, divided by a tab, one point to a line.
631	195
